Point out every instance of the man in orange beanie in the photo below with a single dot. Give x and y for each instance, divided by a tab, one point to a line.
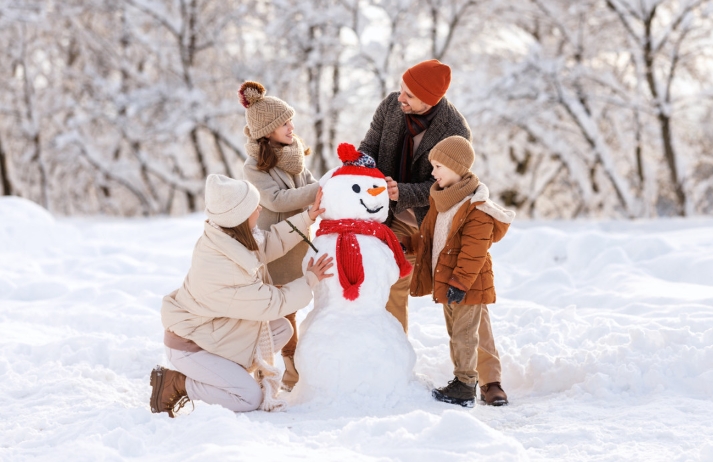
406	126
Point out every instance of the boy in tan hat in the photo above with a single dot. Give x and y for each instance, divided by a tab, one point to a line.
453	264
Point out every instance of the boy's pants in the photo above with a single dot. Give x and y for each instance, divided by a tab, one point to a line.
216	380
473	352
488	360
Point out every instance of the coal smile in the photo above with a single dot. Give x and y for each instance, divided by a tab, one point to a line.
370	210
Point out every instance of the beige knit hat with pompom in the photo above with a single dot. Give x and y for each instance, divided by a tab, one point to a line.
264	114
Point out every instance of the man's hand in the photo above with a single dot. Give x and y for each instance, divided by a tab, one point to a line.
392	187
455	295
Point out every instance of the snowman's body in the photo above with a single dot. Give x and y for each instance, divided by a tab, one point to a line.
350	347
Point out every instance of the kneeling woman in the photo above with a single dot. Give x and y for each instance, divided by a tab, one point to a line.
227	320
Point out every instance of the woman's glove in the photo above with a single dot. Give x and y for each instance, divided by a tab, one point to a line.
455	295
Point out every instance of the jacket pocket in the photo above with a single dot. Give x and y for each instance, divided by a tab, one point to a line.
449	258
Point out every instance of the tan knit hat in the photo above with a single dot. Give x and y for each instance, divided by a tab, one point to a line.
263	113
229	202
455	152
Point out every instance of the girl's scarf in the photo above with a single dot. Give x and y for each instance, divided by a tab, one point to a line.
290	158
348	253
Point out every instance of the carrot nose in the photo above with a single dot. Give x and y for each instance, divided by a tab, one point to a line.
376	191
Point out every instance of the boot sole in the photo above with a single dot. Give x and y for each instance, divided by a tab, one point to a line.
157	376
497	402
465	402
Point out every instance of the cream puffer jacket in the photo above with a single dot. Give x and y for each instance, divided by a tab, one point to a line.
228	293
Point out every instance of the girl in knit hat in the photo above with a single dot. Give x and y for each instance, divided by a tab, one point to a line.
226	320
276	166
453	264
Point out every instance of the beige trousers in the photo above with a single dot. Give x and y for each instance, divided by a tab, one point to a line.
473	352
216	380
480	360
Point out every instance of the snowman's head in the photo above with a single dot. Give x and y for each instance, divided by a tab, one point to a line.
356	190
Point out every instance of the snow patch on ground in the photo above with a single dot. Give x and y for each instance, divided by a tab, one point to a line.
605	330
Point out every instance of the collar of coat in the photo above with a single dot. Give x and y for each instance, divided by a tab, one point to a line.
482	198
440	127
232	249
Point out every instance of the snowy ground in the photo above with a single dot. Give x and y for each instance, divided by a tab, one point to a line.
605	331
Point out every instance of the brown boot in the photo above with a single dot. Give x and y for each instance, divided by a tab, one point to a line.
456	392
291	376
493	394
168	391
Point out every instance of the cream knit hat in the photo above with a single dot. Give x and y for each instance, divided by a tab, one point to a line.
455	152
229	202
263	113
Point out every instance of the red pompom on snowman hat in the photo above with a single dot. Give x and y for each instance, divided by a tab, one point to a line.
355	162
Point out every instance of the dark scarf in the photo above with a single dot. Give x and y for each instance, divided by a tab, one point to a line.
415	124
349	259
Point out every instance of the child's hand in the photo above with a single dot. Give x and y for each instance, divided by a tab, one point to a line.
321	266
315	211
455	295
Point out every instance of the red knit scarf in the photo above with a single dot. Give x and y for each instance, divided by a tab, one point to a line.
349	260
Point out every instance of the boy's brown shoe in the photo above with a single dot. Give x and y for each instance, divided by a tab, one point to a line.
493	394
456	392
168	391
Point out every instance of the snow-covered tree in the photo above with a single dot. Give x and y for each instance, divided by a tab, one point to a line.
588	108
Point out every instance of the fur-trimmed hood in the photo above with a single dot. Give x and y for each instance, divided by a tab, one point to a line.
482	195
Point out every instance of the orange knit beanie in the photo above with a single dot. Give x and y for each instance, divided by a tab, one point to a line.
428	80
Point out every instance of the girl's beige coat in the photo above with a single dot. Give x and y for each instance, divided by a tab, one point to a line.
282	196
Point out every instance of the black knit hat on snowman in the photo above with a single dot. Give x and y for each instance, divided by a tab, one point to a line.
264	114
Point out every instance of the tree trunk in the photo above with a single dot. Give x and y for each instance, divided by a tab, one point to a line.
314	74
663	117
4	172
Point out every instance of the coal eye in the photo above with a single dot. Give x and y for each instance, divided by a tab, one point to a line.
375	186
356	188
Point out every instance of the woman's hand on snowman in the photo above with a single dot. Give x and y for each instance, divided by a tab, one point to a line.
315	210
320	267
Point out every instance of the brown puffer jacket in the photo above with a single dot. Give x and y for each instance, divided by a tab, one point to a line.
464	262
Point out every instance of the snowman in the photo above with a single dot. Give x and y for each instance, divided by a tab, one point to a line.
350	347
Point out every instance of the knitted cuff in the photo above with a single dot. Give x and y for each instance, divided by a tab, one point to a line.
312	279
